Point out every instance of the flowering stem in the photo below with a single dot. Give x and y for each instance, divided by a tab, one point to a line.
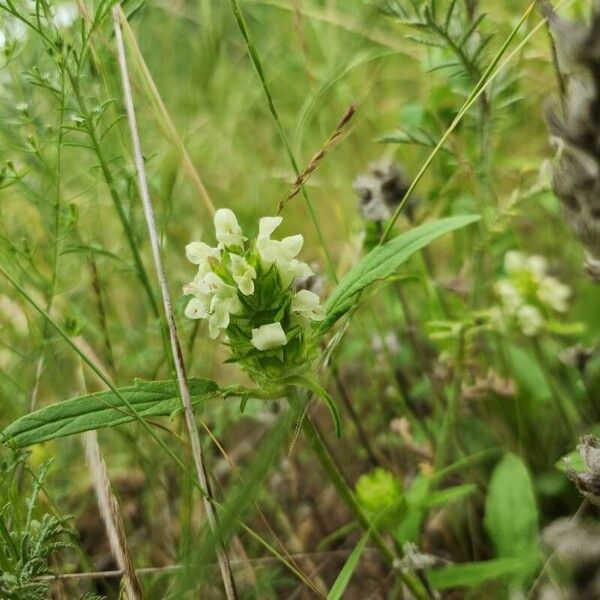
199	460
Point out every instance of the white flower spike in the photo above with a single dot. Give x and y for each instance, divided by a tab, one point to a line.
307	305
268	336
227	229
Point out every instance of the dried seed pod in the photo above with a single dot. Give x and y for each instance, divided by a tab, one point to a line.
381	190
588	481
576	176
576	356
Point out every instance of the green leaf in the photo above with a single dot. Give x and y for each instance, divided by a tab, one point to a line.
526	370
343	579
102	409
383	260
472	574
511	515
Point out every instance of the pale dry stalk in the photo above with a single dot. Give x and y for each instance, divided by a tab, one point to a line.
199	460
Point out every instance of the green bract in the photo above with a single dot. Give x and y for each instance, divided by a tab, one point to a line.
379	492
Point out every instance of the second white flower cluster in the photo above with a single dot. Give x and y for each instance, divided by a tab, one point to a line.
528	291
251	280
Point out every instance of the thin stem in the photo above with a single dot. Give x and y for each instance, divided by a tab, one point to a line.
488	76
197	452
241	22
337	479
362	434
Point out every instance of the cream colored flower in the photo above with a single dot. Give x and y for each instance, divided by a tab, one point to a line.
276	251
268	336
554	293
307	305
514	261
243	274
227	229
218	320
530	320
510	295
537	266
292	269
198	253
197	308
214	300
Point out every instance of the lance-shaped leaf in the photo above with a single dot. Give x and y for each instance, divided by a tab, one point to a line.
102	409
383	261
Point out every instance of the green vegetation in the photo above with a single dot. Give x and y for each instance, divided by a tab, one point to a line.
298	298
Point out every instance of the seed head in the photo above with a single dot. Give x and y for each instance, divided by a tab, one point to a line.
381	190
588	481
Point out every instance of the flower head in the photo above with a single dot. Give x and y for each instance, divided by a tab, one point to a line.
528	294
554	293
530	320
243	283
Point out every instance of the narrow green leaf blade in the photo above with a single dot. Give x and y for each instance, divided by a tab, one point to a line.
102	409
473	574
383	260
343	579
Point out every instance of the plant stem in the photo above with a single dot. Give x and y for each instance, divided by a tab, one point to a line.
241	22
197	452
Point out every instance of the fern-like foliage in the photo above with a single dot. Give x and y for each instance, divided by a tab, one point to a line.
26	544
454	29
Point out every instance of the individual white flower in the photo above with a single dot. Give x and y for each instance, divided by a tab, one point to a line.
554	293
243	274
197	308
537	266
214	300
218	320
268	336
228	298
509	294
514	261
227	229
198	253
210	283
530	320
276	251
288	271
307	304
